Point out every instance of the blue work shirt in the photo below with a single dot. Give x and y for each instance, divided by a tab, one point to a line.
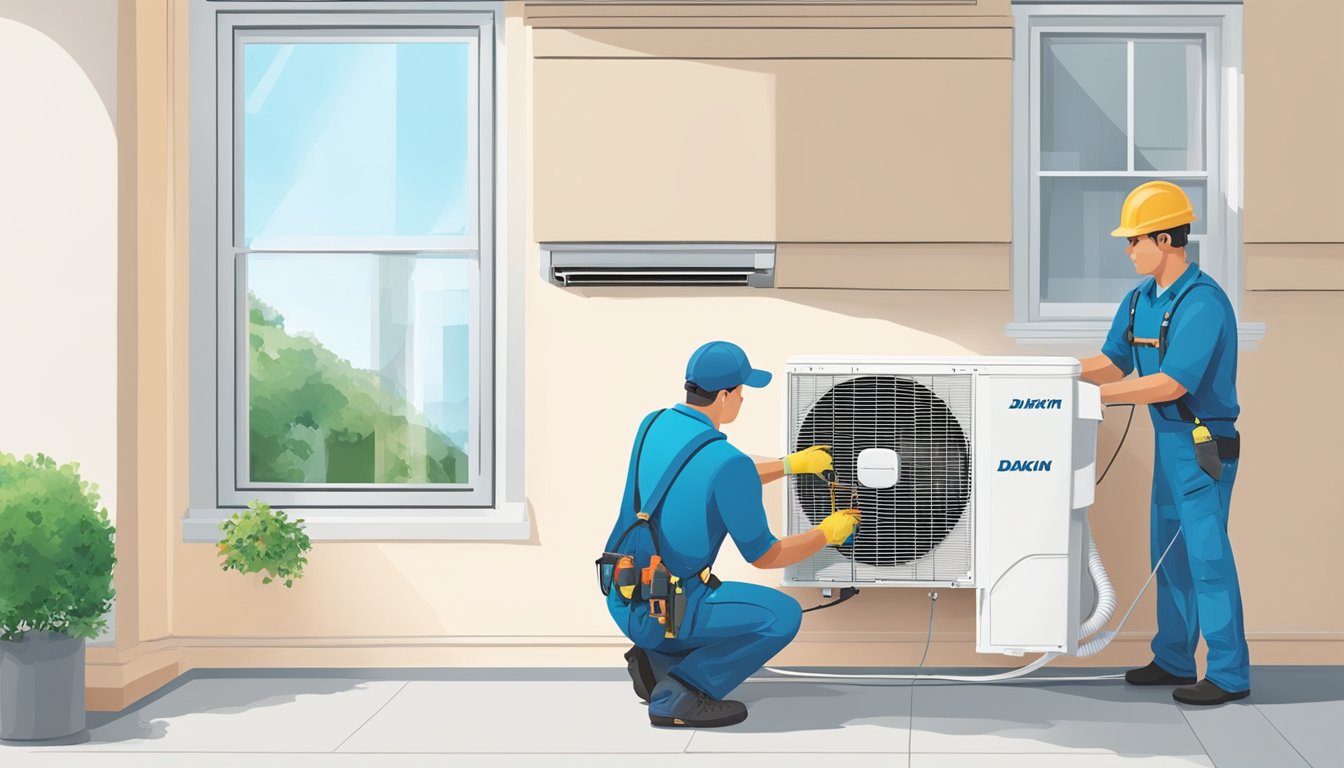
717	495
1201	347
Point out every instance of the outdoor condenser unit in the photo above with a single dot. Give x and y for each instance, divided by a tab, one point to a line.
971	472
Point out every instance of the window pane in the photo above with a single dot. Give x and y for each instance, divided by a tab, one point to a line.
355	140
1083	104
1080	261
1169	105
360	368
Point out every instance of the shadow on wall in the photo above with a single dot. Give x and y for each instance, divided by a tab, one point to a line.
842	147
973	320
85	29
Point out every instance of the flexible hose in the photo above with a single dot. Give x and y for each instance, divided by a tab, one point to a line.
1092	647
1104	639
1106	601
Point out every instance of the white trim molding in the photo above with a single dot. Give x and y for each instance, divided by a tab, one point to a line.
1221	25
508	522
499	511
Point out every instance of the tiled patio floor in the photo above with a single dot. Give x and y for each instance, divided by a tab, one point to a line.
590	718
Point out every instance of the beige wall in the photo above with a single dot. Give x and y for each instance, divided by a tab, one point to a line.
669	141
58	241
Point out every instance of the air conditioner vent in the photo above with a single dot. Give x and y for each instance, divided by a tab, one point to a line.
646	264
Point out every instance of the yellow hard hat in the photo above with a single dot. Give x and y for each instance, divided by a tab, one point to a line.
1153	207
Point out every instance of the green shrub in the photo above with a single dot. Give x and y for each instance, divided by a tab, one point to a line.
261	539
56	550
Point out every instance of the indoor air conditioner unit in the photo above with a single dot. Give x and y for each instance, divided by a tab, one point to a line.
658	264
972	472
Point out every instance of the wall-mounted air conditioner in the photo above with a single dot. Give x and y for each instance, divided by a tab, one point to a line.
969	472
658	264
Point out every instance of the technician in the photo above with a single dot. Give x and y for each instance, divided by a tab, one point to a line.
1177	331
696	489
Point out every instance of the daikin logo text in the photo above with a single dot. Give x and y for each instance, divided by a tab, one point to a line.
1036	405
1038	465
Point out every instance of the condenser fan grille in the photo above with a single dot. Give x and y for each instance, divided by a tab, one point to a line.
917	530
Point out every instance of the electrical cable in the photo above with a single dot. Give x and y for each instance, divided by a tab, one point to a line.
928	639
1104	639
1128	421
845	594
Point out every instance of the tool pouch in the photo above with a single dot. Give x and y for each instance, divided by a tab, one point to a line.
606	572
1206	454
659	583
677	609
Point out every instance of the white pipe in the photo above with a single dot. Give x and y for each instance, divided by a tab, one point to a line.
1106	601
1101	614
1032	667
1104	639
1095	645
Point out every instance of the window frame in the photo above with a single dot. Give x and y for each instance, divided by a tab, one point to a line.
493	506
1220	25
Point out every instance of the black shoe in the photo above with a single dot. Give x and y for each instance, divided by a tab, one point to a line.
684	707
1155	675
641	672
1205	693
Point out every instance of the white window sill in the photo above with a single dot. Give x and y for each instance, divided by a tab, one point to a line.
507	522
1072	332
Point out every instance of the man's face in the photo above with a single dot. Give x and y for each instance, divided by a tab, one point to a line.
1145	253
732	403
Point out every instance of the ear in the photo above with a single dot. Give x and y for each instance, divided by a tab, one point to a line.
1164	240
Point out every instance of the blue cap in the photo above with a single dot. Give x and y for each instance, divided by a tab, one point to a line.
723	365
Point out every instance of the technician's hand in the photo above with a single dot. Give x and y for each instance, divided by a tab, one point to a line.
809	461
839	526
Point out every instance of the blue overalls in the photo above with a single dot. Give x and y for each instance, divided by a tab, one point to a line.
1197	587
729	631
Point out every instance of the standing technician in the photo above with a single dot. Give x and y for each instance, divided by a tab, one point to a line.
1178	331
686	491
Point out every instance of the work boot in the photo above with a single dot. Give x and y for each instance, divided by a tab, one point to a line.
1206	693
677	705
641	672
1155	675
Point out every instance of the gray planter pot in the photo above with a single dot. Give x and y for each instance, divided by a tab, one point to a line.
42	690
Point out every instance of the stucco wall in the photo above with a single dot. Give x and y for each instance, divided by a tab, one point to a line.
732	152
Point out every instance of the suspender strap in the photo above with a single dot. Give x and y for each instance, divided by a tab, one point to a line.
654	503
1129	332
639	454
1182	407
647	509
1166	320
1133	305
639	451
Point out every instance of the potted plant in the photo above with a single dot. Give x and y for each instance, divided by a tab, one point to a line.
56	559
262	539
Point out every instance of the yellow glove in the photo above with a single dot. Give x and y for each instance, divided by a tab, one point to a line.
809	461
839	526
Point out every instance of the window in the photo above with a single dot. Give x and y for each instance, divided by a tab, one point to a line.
1106	98
351	263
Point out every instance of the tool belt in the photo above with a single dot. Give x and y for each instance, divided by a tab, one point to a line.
652	583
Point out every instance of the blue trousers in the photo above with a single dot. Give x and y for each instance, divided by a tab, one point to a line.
1197	587
728	634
